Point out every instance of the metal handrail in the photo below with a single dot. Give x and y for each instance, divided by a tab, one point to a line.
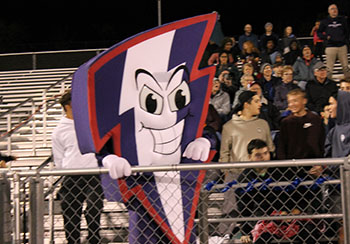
11	130
188	167
15	107
57	83
45	107
52	52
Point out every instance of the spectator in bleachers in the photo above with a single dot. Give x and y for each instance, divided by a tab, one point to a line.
277	70
271	201
250	54
209	50
230	82
246	79
213	127
320	89
344	85
268	81
220	100
224	64
254	203
235	50
318	42
270	52
248	69
213	119
335	31
337	141
268	35
282	89
268	111
243	127
248	36
287	38
294	52
236	134
304	67
76	189
226	45
338	145
302	134
329	113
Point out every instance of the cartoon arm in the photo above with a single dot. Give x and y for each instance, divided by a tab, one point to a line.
198	149
118	166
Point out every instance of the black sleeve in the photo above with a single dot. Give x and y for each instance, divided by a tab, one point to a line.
6	158
321	30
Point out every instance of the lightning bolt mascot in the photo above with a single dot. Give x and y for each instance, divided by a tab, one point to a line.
144	102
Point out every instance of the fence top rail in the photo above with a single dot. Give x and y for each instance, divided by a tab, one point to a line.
58	82
54	52
185	167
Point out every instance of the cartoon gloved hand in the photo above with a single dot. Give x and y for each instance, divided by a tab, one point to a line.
198	149
118	166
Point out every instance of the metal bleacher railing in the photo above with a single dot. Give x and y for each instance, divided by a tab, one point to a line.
45	222
30	111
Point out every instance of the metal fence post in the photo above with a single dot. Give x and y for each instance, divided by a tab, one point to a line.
346	199
17	208
34	61
36	213
203	225
5	210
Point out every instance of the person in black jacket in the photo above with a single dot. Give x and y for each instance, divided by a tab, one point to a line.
254	201
334	30
320	89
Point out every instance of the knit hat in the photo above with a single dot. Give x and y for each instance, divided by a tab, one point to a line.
268	24
242	99
263	66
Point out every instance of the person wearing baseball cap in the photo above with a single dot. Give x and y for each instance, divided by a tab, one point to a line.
319	89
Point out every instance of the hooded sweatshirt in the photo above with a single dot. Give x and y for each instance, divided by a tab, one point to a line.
236	135
338	139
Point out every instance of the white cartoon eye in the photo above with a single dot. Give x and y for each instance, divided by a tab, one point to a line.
179	97
151	101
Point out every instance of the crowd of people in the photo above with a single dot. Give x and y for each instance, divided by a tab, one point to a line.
283	95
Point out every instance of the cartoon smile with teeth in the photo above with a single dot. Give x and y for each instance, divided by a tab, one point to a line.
144	102
161	96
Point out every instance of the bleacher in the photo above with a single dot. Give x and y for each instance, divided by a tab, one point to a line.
17	87
39	86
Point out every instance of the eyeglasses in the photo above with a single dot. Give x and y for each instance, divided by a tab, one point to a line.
288	74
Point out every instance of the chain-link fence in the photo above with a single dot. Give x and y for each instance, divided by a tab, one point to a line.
260	202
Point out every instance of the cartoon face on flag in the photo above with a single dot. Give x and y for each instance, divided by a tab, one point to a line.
146	101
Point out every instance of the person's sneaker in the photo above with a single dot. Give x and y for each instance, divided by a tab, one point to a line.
216	239
219	239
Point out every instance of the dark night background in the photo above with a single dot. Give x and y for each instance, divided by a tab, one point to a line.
56	25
